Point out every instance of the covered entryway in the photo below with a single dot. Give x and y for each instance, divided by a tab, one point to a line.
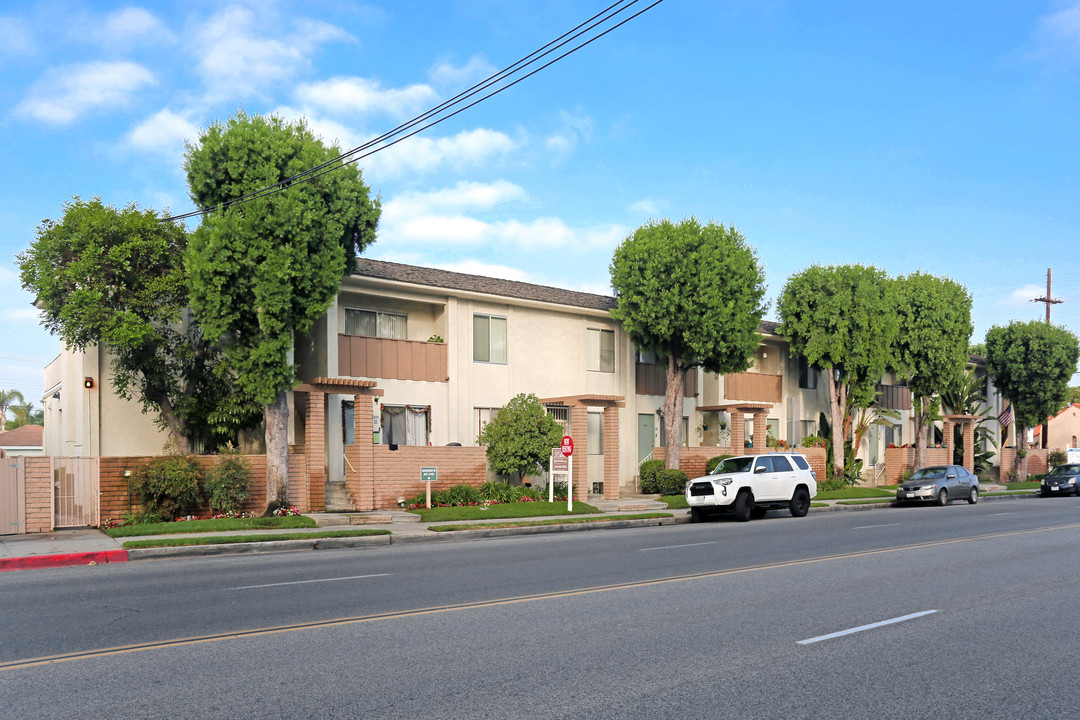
12	497
75	492
595	468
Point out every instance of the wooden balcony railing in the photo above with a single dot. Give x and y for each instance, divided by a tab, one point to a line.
651	379
370	357
753	387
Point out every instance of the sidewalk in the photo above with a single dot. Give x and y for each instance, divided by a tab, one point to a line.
89	546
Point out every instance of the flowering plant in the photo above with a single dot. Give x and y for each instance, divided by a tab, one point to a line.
286	511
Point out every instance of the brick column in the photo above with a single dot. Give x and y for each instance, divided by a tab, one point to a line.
738	431
315	450
950	442
969	445
38	484
360	470
611	453
761	431
579	430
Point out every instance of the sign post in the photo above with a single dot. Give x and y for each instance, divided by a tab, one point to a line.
429	475
568	452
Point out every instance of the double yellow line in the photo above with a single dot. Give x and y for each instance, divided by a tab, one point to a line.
337	622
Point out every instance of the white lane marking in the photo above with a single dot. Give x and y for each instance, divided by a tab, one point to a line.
305	582
674	547
866	527
871	626
999	514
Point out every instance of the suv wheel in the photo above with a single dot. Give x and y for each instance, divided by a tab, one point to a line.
973	496
800	502
943	497
744	504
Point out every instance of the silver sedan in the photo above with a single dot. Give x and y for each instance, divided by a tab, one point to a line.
940	484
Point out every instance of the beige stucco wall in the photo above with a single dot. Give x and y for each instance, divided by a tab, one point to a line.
1065	429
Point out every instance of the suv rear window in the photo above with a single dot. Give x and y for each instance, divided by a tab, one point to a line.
780	464
800	461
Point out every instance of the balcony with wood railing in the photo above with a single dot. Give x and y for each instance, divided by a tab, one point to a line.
753	387
651	379
371	357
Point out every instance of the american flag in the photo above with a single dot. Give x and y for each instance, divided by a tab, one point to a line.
1005	418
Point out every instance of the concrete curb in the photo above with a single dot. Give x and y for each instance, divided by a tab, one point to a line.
480	533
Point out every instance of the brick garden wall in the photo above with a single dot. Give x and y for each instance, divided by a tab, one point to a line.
1036	462
898	460
397	472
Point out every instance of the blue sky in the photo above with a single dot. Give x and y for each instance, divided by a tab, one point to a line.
939	137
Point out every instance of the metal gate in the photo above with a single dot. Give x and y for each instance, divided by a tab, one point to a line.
75	487
12	497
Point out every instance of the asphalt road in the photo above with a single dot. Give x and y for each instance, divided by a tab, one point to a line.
721	619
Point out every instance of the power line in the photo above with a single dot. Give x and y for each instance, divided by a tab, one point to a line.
373	146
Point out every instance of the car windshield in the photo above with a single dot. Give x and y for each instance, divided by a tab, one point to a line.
734	465
930	473
1066	470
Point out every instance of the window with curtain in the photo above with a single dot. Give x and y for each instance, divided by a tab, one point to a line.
405	424
601	350
489	339
372	323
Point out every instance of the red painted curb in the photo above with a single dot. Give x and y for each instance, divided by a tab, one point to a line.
100	557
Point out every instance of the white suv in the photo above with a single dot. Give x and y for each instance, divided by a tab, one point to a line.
751	485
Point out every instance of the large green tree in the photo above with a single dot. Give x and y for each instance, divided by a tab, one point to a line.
842	319
1031	364
519	439
115	278
692	294
934	325
263	271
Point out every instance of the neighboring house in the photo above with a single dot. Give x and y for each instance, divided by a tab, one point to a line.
1064	429
23	440
419	357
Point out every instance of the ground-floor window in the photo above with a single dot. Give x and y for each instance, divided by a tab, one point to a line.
405	424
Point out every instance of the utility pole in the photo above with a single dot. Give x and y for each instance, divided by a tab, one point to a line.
1048	300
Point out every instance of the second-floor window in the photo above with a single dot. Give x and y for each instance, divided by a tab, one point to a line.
807	374
489	339
601	350
372	323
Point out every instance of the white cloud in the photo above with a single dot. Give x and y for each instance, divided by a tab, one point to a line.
464	195
1057	36
1024	295
446	75
649	206
164	133
544	233
64	94
441	229
236	59
131	26
478	267
576	128
15	37
361	95
467	149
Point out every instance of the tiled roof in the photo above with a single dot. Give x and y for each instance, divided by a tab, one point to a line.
477	283
25	436
432	277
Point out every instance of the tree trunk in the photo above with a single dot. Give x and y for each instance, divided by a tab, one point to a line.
920	432
676	378
176	427
1020	461
837	406
277	453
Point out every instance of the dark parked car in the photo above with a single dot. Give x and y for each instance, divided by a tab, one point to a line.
1062	480
940	484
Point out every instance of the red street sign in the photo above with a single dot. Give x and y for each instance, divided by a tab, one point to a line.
567	445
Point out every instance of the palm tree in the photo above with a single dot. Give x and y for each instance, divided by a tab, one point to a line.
8	400
27	415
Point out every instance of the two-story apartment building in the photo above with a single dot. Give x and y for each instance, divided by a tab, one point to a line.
415	356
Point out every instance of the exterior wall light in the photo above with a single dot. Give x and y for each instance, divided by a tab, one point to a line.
88	383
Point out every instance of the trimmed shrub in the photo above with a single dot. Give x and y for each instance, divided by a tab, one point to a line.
169	486
712	462
649	470
228	481
671	482
1056	457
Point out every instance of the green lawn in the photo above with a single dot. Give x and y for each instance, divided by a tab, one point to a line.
199	526
1029	485
507	510
550	521
230	539
855	493
674	502
882	499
